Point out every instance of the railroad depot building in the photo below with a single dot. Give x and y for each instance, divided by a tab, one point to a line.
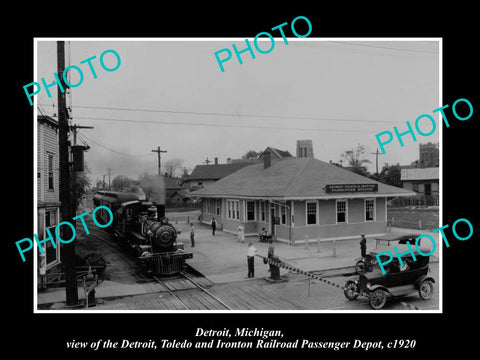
297	200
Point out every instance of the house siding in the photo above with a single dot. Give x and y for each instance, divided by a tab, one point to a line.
48	144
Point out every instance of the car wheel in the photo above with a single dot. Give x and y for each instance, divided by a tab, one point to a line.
351	290
378	298
360	267
425	290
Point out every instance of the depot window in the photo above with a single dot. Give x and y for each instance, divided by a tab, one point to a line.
263	205
311	213
250	210
283	214
369	210
233	210
341	211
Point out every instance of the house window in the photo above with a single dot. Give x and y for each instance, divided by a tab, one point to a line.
218	207
428	189
311	213
369	210
415	187
233	210
250	210
50	171
341	211
262	210
283	215
207	206
52	254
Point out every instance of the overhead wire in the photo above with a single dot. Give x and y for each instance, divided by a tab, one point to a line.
360	43
221	125
236	115
85	137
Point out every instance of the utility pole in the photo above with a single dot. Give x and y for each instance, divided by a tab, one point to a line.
207	161
109	173
158	151
74	129
376	160
68	254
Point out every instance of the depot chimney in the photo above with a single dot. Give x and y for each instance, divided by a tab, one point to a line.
267	159
216	161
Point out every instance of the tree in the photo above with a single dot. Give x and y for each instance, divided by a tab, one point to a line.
390	175
172	165
120	183
251	154
356	159
80	185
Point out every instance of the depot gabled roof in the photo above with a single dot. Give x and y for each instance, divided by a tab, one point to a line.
291	179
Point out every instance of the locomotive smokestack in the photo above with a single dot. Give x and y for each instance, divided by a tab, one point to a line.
160	211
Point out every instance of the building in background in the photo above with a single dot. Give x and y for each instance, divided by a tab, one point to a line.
425	182
207	174
429	155
304	149
48	200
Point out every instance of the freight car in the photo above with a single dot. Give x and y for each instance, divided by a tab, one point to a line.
143	225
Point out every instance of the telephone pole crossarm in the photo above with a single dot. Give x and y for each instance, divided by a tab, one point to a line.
159	151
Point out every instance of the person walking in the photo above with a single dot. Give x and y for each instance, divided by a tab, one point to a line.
240	234
250	259
363	246
213	223
192	235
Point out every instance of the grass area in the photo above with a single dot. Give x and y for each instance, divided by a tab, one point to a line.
414	217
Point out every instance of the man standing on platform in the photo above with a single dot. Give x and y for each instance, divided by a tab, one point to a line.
250	259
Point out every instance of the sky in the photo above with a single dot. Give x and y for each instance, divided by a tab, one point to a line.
171	93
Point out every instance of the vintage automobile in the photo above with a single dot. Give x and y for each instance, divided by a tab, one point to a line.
397	281
367	263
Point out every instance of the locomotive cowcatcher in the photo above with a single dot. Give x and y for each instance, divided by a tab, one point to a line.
143	225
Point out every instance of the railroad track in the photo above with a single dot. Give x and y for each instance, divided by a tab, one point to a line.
176	293
170	284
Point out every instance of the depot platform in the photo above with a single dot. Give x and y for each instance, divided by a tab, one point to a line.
222	259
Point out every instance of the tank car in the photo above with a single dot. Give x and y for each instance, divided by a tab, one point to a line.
143	225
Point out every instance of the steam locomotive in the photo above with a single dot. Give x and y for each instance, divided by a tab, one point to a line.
143	225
